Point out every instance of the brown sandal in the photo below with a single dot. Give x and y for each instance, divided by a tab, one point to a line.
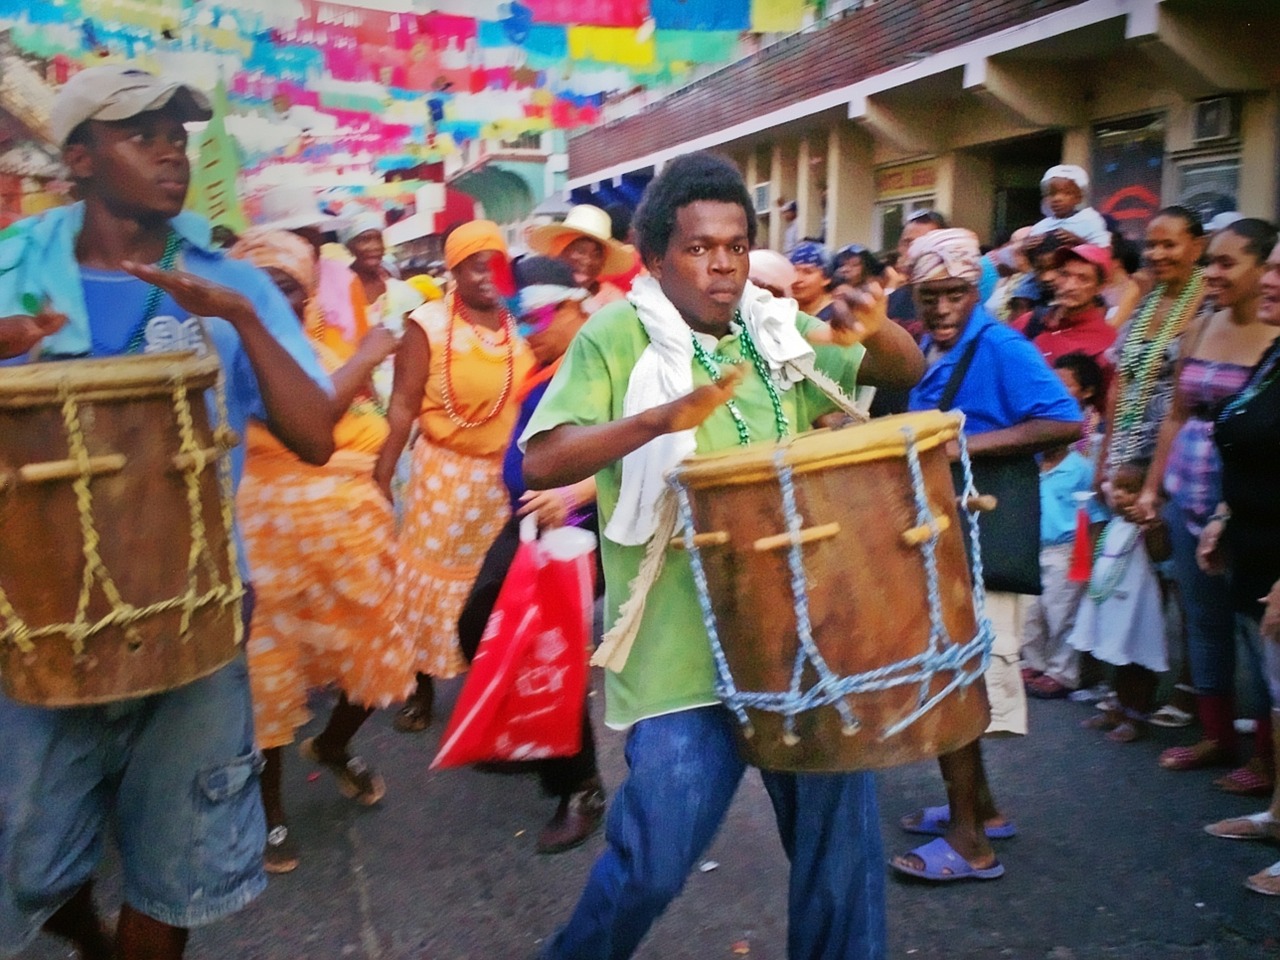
413	717
356	779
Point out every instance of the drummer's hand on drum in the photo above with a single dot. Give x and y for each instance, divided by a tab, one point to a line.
195	294
21	332
689	411
857	312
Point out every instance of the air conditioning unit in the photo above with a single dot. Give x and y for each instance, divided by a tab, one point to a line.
1214	119
762	197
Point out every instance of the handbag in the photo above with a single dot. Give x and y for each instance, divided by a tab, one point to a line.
1009	535
524	695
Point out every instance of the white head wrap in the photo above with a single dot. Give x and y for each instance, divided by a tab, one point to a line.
951	254
1066	171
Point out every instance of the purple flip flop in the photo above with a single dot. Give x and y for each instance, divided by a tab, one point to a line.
942	865
936	821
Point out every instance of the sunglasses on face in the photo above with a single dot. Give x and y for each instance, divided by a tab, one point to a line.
537	320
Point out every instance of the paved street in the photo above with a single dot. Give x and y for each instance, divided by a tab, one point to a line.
1110	864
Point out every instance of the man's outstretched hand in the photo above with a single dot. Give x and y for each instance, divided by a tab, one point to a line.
196	295
694	407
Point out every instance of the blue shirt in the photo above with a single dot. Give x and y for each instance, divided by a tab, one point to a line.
37	263
1058	506
1008	382
513	462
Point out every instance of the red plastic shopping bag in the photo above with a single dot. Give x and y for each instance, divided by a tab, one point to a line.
524	696
1081	568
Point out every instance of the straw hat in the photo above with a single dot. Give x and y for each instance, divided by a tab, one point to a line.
583	220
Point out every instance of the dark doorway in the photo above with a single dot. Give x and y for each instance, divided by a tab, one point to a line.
1018	166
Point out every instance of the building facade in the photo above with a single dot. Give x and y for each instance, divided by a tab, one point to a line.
961	105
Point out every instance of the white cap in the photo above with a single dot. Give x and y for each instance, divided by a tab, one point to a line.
1066	171
118	92
1222	221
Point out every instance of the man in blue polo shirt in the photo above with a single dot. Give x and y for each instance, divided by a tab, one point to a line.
173	774
1013	404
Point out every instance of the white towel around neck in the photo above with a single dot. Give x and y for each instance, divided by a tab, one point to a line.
664	372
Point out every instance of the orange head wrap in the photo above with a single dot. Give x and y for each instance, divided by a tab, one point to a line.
471	238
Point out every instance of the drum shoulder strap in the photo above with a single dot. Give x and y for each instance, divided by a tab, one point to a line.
948	398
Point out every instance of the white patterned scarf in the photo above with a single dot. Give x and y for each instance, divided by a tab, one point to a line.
664	372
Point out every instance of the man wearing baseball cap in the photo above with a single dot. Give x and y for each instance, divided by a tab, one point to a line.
174	774
1076	320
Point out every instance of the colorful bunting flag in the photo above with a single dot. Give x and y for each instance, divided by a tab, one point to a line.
214	191
322	75
777	16
701	14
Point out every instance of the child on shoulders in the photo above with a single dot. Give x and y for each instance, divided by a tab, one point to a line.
1067	215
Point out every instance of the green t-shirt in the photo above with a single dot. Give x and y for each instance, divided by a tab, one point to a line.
670	667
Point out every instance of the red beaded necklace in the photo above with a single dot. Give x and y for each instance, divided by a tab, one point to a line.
457	310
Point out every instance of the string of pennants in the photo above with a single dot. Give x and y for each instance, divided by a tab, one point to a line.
405	85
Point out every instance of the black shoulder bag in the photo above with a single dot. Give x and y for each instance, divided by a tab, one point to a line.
1010	534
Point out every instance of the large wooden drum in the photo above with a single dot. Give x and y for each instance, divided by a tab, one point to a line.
877	567
117	563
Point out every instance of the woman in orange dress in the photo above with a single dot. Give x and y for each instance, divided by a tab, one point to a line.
458	374
321	544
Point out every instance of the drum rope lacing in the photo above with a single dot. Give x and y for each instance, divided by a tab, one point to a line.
942	654
124	614
615	647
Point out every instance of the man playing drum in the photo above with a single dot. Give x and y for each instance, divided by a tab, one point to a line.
174	774
689	363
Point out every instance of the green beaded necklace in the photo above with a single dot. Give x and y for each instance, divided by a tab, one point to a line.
1141	360
708	362
1104	590
1267	372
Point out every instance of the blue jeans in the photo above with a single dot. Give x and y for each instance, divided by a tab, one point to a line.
684	769
1210	618
1266	651
172	776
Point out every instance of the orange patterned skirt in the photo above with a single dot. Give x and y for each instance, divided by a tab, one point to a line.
321	545
455	506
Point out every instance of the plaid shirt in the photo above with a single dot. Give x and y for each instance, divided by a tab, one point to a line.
1193	475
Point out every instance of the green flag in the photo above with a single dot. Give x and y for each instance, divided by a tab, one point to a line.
214	192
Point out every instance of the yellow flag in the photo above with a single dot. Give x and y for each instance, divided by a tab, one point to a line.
777	16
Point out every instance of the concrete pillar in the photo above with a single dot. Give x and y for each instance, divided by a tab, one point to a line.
808	187
1259	155
751	175
851	189
1076	146
782	175
973	197
751	169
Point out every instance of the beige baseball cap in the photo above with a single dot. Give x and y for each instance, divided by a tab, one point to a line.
118	92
